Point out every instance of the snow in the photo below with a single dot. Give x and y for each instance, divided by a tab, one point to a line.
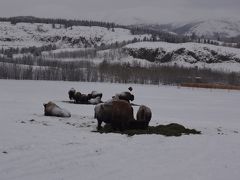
33	146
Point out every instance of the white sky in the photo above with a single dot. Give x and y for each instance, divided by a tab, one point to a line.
123	11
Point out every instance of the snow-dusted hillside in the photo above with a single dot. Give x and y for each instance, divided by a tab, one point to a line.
27	34
33	146
212	28
188	54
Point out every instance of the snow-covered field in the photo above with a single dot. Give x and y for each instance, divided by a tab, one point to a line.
33	146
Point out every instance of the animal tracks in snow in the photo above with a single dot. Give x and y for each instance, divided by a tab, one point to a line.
223	131
74	121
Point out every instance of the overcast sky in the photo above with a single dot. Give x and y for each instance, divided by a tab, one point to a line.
123	11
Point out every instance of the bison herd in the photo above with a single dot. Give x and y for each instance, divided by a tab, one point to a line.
117	112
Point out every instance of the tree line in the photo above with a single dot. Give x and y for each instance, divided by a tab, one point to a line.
42	69
67	23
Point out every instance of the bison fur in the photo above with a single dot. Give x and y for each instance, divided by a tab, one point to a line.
127	96
71	93
51	109
117	113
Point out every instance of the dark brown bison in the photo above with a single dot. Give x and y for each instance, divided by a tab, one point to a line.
103	113
127	96
51	109
117	113
130	88
77	96
144	116
71	93
81	98
93	98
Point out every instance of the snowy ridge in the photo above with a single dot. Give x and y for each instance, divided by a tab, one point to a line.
211	28
27	34
188	54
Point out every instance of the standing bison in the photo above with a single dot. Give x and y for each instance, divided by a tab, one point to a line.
117	113
51	109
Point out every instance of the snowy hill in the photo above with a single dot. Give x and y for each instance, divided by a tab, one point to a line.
187	54
37	34
211	28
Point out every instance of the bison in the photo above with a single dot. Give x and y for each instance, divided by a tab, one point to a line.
117	113
95	101
71	93
130	88
93	98
81	98
127	96
95	94
51	109
144	115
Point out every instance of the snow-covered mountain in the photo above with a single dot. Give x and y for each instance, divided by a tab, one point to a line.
187	54
37	34
211	28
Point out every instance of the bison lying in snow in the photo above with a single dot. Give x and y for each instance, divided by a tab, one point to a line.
118	113
95	94
81	98
127	96
95	101
51	109
93	98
